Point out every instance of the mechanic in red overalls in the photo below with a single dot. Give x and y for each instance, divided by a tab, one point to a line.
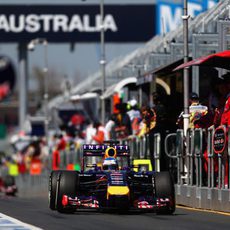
222	117
60	146
101	134
225	120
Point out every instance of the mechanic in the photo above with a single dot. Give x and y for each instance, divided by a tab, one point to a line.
147	127
196	112
123	126
110	163
134	115
225	120
101	134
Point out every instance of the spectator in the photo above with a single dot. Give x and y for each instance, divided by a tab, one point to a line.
225	120
60	144
196	111
147	127
159	108
199	118
89	133
222	93
77	121
110	127
225	117
148	120
101	134
134	115
221	117
161	126
133	112
123	124
213	100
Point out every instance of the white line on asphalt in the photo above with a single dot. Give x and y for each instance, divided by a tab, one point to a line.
10	223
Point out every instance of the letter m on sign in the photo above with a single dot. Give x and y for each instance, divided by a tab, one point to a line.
168	17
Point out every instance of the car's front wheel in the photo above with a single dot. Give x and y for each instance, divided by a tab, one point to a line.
68	184
164	188
53	188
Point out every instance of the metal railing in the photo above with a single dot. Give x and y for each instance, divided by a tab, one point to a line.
196	160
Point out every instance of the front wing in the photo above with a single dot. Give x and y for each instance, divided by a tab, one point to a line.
93	203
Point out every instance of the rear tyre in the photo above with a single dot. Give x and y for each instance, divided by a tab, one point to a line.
9	183
68	184
53	188
164	188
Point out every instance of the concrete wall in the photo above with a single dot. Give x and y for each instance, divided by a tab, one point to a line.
203	197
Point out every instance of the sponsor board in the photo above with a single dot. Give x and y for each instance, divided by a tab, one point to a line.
219	139
169	13
77	23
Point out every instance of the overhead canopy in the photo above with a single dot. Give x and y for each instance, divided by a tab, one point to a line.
116	88
163	70
84	96
167	69
218	60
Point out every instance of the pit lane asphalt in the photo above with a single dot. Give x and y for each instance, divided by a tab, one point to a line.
35	211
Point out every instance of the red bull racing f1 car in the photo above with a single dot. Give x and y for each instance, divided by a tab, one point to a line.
107	181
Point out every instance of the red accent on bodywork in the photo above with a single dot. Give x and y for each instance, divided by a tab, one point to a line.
65	200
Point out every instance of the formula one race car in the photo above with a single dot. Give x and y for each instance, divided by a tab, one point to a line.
108	181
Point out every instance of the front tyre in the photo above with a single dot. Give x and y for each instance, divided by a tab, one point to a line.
10	185
53	188
164	188
68	184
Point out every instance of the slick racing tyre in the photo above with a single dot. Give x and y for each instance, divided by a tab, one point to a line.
68	184
164	188
10	185
53	188
9	181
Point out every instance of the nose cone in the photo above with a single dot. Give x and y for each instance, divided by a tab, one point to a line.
118	191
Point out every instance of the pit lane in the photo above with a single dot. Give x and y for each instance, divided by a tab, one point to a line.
35	211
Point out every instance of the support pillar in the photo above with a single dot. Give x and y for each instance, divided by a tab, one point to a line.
22	84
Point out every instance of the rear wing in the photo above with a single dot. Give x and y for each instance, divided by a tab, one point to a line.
99	150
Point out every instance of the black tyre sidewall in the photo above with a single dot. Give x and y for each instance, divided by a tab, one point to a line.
9	181
68	185
53	189
164	188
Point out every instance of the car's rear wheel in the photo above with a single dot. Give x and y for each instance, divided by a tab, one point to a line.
164	188
53	188
9	182
68	184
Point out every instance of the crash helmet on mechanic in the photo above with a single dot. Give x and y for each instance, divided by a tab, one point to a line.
110	163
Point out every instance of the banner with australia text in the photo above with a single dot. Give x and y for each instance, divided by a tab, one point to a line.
77	23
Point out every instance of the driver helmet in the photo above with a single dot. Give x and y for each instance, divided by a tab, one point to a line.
110	163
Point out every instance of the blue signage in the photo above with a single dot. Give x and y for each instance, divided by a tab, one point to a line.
169	13
77	23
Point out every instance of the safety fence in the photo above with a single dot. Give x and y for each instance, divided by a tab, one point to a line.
140	148
202	163
202	159
199	163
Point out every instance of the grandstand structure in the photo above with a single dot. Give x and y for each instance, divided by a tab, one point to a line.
208	33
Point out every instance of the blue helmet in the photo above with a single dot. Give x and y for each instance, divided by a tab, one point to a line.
110	163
